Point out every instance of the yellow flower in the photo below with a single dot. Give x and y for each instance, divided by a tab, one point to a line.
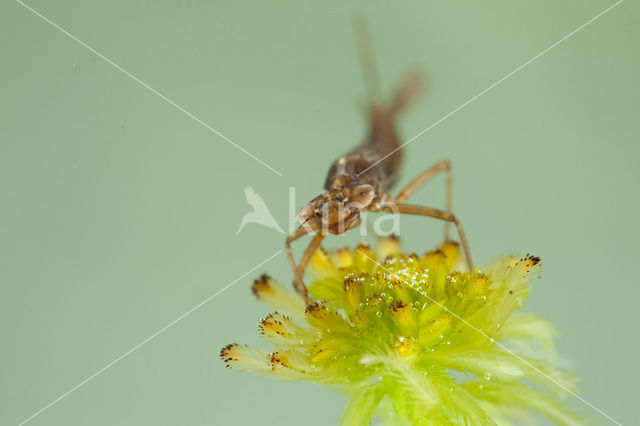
412	339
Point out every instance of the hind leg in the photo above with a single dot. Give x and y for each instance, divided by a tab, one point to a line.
437	214
423	178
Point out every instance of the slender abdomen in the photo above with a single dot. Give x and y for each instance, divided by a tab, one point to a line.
377	161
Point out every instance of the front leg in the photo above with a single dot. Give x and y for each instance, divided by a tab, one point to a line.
298	284
298	271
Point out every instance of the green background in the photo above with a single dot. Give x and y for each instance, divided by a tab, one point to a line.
118	212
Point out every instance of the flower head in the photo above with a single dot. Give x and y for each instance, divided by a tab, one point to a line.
412	339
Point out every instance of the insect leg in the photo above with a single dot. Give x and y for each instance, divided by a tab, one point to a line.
298	284
298	271
438	214
423	178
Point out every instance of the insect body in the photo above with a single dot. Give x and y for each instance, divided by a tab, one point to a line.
360	180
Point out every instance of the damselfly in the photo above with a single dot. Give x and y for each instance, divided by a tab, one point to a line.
360	180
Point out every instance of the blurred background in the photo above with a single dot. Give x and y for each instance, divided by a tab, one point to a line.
119	211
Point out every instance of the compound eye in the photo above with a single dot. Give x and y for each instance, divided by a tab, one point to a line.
362	195
308	211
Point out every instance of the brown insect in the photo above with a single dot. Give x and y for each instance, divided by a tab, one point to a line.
360	180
